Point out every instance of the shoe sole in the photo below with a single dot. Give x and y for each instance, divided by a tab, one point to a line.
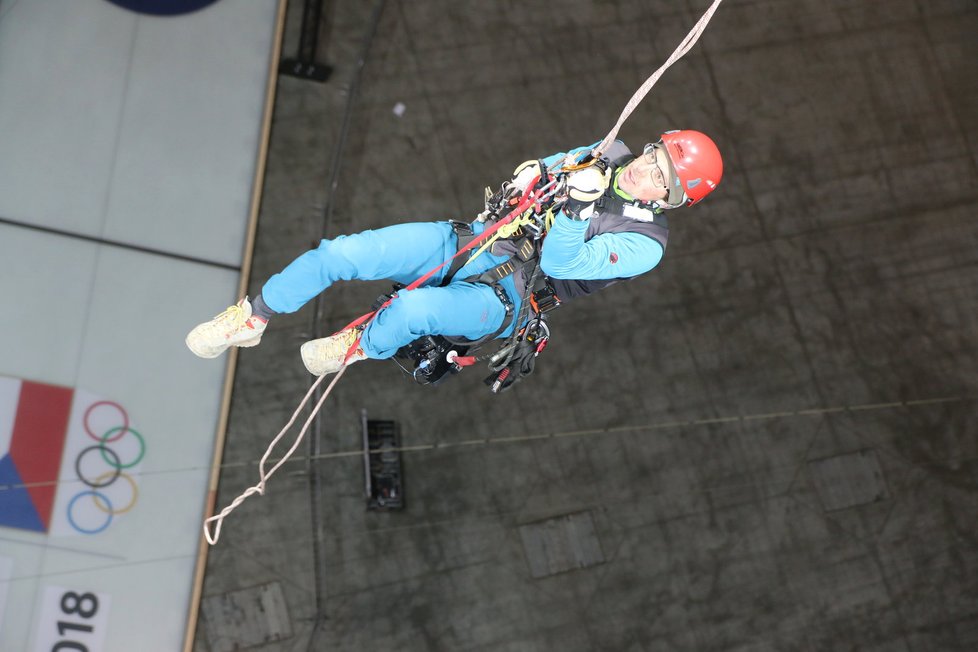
213	352
305	352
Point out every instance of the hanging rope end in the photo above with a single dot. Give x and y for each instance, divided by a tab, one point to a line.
212	538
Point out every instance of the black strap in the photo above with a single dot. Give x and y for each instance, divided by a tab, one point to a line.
525	252
464	234
610	203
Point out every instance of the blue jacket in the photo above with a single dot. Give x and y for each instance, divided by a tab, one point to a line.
567	255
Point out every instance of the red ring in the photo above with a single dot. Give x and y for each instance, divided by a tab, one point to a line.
122	431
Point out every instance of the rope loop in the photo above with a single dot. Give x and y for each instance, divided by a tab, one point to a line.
262	475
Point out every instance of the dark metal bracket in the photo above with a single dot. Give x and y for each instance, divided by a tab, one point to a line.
304	65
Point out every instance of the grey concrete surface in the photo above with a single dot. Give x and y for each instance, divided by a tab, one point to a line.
821	304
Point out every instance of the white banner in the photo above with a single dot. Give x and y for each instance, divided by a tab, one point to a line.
132	140
6	567
71	620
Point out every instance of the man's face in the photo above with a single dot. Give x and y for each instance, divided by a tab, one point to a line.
647	177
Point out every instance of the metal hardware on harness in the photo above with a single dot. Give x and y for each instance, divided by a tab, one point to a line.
515	362
504	299
429	357
544	299
586	162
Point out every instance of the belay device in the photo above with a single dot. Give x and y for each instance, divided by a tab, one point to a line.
429	356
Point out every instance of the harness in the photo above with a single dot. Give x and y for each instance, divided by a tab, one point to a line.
436	357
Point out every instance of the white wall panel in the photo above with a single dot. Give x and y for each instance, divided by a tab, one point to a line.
141	309
134	128
134	132
111	321
46	284
189	135
62	84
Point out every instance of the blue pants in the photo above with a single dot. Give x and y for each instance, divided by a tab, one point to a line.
402	253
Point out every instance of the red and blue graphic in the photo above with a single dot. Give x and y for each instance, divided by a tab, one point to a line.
54	437
29	470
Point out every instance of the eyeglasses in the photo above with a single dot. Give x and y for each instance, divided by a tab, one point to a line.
648	156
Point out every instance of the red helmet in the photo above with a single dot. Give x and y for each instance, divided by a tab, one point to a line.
696	162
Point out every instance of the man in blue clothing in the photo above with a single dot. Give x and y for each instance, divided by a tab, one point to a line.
610	226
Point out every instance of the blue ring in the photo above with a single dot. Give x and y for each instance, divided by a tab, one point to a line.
90	493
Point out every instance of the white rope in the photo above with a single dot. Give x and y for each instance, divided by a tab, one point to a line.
684	47
262	476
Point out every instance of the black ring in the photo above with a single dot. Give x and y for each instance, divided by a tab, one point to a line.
115	467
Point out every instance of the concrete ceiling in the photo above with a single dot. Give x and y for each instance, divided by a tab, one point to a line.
768	443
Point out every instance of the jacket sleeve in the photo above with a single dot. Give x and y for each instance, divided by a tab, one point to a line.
566	255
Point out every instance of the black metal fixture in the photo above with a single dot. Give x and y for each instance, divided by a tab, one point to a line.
304	65
384	485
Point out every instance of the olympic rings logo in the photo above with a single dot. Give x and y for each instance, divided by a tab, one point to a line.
101	454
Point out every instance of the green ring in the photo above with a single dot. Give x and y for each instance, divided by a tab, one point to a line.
142	448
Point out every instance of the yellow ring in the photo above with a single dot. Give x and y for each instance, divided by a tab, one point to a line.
574	167
122	510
